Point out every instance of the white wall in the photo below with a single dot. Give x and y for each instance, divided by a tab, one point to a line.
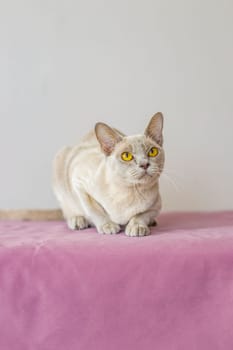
65	64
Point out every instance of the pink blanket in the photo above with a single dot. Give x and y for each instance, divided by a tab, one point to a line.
64	290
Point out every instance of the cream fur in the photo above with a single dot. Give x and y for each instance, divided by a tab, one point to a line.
94	186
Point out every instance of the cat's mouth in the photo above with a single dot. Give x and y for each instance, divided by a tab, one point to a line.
148	175
145	174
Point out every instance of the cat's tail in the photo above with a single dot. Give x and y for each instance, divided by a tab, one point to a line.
31	214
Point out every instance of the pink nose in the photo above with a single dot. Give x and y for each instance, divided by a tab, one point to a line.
145	165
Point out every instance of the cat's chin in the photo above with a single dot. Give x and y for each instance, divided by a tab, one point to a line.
144	179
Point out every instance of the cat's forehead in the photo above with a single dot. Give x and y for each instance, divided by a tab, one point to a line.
136	143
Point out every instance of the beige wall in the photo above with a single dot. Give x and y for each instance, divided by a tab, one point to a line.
66	64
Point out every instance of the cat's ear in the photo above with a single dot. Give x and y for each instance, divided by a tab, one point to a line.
107	137
154	129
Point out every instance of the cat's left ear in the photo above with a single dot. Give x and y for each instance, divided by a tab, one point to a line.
154	129
107	137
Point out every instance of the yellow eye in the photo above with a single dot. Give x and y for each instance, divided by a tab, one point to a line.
126	156
153	152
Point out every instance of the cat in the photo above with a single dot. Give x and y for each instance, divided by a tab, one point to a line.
111	181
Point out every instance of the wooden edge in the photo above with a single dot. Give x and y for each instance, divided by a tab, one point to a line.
31	214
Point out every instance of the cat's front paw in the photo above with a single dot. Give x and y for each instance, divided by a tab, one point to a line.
109	228
77	223
135	230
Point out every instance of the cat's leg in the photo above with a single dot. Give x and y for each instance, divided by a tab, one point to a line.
139	224
72	211
77	222
74	215
96	214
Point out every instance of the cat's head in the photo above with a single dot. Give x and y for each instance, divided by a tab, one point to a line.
137	159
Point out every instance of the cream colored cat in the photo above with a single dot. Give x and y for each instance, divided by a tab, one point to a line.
110	180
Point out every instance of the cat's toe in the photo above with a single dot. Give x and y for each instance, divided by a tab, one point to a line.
109	228
77	223
135	230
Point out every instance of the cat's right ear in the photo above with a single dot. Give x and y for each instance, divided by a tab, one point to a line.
107	137
154	129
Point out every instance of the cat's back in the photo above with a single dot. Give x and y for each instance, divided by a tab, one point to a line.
87	154
81	161
69	155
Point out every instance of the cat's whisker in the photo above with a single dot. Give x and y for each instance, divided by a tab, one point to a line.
133	173
171	181
173	173
170	178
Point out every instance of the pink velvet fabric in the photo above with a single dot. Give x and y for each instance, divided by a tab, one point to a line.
64	290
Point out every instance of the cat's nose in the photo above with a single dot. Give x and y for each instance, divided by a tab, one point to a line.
145	165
